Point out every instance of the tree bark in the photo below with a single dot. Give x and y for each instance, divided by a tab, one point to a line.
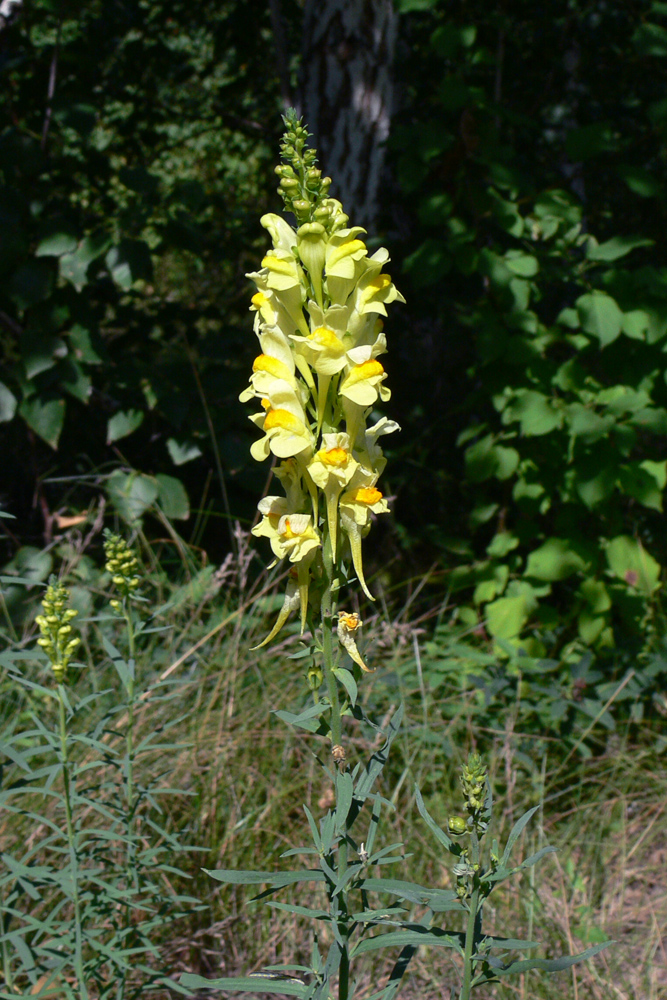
346	95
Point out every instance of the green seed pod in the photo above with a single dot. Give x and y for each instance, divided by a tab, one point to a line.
457	826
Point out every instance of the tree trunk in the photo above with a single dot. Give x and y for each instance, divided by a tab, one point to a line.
346	95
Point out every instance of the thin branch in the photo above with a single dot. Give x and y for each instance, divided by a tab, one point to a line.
52	86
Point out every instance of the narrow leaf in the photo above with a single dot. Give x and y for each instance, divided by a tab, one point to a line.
516	830
246	984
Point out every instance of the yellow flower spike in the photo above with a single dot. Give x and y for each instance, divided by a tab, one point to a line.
348	626
291	603
311	246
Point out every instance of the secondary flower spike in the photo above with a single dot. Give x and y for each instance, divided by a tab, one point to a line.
318	316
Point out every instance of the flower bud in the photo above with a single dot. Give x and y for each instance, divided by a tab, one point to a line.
457	826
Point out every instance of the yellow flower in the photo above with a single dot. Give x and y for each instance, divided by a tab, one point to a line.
284	423
363	383
344	263
355	506
292	536
332	469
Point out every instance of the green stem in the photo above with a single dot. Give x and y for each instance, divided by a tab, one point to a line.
131	875
74	861
328	614
471	926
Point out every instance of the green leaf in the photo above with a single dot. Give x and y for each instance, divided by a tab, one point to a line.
443	838
650	40
486	459
523	264
600	316
81	341
31	283
346	678
615	248
304	720
415	936
56	244
506	617
128	262
182	452
543	964
123	423
640	181
553	560
32	564
46	416
630	562
344	790
514	834
379	759
73	267
637	481
536	412
635	324
8	404
277	880
173	497
132	493
246	984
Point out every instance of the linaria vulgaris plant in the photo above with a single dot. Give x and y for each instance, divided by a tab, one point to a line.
81	902
318	311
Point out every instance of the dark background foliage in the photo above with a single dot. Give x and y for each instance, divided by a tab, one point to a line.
522	196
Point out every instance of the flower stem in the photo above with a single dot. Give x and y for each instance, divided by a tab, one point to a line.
74	861
471	927
131	875
328	614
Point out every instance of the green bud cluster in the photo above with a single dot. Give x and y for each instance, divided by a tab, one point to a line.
302	187
123	566
473	782
56	637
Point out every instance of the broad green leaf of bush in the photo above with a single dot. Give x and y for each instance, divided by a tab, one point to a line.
615	248
554	560
124	423
536	413
45	416
8	403
132	493
600	316
181	452
506	617
630	562
486	459
172	497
